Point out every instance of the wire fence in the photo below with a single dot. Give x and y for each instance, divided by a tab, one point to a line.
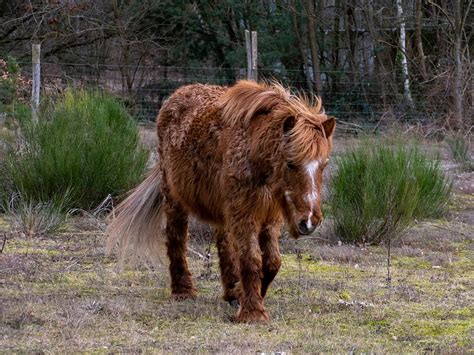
362	99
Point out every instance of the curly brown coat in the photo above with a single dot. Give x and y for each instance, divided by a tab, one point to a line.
244	159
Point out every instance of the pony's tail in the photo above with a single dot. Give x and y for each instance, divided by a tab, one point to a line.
136	228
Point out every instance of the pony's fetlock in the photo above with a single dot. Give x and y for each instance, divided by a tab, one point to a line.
234	303
183	293
182	287
251	309
233	294
254	315
190	295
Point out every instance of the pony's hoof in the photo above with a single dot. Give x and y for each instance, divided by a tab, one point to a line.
234	303
181	296
232	295
251	316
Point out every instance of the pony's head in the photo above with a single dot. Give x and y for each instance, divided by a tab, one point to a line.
292	140
307	143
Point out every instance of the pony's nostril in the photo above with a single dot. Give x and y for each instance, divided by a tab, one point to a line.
306	227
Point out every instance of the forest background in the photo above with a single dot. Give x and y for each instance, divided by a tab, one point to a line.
372	61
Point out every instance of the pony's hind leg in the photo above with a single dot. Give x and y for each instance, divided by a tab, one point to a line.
229	265
271	258
176	242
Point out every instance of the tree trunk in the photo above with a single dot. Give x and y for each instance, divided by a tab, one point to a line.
313	45
351	40
457	87
335	46
296	30
381	72
403	54
418	39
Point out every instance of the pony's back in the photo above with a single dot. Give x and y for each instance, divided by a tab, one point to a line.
185	106
190	150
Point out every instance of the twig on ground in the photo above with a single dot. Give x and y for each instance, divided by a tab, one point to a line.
195	252
299	257
4	242
389	256
71	265
106	206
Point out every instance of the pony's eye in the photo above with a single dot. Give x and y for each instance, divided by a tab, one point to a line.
291	166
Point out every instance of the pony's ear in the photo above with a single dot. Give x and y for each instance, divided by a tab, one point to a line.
263	111
329	126
288	124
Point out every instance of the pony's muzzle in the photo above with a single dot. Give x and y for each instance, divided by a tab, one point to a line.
306	227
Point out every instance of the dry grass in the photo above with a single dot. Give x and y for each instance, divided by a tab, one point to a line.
61	293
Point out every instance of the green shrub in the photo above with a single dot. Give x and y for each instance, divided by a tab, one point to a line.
377	191
14	86
86	147
459	148
8	77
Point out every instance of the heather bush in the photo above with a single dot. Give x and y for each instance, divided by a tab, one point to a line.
459	148
378	191
84	147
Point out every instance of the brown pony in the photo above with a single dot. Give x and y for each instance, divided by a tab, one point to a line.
245	159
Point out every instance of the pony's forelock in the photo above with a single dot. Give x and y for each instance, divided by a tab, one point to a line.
306	138
304	144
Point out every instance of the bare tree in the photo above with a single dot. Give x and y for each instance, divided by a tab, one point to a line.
403	54
299	34
457	21
458	70
418	38
313	45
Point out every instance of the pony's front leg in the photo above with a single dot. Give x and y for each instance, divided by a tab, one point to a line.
250	268
176	242
268	239
229	265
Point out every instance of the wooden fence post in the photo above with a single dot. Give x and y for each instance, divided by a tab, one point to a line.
251	48
36	84
248	48
254	56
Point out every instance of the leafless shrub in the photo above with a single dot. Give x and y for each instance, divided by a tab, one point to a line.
201	234
459	148
93	220
201	239
30	218
4	241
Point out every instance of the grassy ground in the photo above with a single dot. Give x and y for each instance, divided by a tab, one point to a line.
61	293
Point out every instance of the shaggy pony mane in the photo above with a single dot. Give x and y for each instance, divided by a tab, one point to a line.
247	99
